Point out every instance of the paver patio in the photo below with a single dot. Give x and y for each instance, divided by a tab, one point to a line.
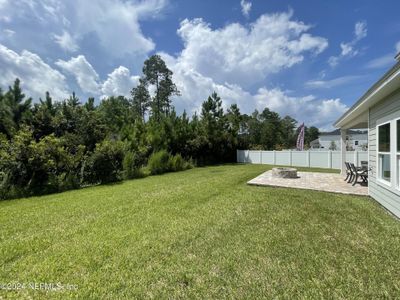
327	182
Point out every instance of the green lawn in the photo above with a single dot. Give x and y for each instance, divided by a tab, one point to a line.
202	233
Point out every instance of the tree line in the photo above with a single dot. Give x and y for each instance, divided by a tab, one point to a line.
51	146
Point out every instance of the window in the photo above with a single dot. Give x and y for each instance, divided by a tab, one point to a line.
356	143
384	152
398	135
398	152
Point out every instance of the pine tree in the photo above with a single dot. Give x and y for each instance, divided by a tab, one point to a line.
156	73
140	99
6	117
89	105
19	106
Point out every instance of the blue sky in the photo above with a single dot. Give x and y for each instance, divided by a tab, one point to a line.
309	59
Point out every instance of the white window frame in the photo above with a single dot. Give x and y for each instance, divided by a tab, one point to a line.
397	157
378	169
394	183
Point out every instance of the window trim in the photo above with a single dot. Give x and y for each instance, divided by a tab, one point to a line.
397	155
378	175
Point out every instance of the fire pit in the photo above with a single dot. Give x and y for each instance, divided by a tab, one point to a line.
284	172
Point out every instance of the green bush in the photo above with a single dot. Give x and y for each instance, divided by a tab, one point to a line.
4	185
105	164
65	181
162	162
31	167
159	162
177	163
190	164
132	166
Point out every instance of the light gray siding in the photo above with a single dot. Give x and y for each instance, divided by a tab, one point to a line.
389	197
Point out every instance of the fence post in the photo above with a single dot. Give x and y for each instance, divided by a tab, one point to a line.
290	157
308	158
261	157
274	157
356	157
330	159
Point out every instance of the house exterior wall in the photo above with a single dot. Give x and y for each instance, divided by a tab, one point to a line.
387	195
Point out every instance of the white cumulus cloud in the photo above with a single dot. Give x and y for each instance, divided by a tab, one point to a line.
36	76
246	54
246	7
119	82
114	23
84	73
227	59
314	112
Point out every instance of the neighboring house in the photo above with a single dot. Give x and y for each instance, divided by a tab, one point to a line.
379	111
355	140
315	144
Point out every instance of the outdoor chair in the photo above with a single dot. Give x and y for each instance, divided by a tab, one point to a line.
352	173
349	172
359	173
364	164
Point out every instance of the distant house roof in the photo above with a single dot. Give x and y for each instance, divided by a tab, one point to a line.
314	143
337	132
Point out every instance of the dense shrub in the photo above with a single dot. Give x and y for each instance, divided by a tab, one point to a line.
5	186
105	164
177	163
65	181
30	167
132	166
162	162
159	162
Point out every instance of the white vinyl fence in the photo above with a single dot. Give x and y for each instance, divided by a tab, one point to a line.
313	159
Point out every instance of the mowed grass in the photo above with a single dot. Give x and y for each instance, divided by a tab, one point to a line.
202	233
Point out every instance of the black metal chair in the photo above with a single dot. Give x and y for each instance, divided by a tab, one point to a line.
364	164
352	173
349	172
359	173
